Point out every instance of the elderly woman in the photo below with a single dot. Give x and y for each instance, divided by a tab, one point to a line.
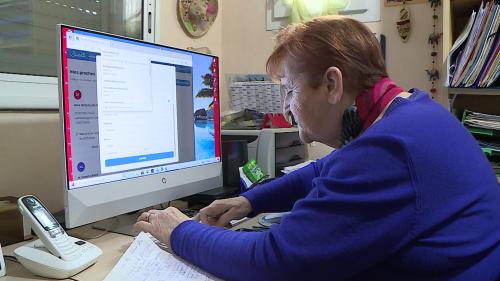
407	195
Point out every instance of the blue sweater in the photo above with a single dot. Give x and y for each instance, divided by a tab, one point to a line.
412	198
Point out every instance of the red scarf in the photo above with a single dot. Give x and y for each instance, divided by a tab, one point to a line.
372	102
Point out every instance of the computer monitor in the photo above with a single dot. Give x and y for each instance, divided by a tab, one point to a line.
140	123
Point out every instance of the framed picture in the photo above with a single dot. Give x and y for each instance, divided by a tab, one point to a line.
400	2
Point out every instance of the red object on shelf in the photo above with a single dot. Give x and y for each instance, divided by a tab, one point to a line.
276	120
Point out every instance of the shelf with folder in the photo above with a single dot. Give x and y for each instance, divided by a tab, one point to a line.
471	45
484	132
491	152
479	101
473	58
482	124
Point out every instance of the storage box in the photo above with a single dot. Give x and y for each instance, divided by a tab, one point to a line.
11	221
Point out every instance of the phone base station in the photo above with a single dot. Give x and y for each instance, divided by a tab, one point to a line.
38	259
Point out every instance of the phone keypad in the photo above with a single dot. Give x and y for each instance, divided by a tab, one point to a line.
66	247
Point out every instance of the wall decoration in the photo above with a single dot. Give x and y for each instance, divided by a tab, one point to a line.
401	2
404	24
204	50
197	16
433	40
280	13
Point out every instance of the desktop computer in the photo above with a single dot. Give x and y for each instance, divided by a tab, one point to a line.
140	124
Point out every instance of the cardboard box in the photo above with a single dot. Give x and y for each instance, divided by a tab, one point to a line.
11	222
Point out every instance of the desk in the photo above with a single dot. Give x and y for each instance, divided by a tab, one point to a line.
113	246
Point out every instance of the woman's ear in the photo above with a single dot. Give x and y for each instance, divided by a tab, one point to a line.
334	85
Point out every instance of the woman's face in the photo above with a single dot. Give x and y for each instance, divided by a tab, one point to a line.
317	117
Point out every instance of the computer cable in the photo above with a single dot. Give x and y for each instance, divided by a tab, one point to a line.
11	258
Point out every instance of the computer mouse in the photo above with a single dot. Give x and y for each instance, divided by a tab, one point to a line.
272	218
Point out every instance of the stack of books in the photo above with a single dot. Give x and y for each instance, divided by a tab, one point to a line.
474	59
486	130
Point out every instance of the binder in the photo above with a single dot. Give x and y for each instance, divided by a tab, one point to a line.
474	59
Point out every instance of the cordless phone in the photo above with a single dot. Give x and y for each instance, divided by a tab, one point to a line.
2	263
55	254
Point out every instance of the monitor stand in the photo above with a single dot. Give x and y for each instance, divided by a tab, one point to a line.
122	224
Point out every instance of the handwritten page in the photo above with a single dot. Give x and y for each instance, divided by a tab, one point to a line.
144	260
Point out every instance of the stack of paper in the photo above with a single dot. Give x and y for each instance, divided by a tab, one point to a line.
486	129
481	120
491	145
476	62
496	168
144	260
287	170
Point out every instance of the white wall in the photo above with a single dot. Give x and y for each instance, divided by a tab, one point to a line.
31	158
247	44
172	34
407	62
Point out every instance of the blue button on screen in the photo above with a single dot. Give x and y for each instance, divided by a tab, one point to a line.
138	158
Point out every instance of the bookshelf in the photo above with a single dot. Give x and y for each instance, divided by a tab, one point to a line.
456	14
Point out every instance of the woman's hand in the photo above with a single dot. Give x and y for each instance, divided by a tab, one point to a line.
160	223
221	212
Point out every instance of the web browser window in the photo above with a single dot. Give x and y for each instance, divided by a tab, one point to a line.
133	108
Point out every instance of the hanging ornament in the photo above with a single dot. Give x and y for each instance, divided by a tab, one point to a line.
433	74
403	24
435	3
433	40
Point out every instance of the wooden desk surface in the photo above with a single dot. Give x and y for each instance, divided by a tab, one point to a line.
113	246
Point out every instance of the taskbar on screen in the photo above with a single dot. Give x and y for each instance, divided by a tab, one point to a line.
138	173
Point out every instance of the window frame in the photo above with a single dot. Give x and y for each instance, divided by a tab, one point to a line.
34	92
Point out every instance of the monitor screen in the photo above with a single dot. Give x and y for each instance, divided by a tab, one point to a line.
133	109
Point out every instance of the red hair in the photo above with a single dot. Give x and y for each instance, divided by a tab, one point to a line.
314	46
